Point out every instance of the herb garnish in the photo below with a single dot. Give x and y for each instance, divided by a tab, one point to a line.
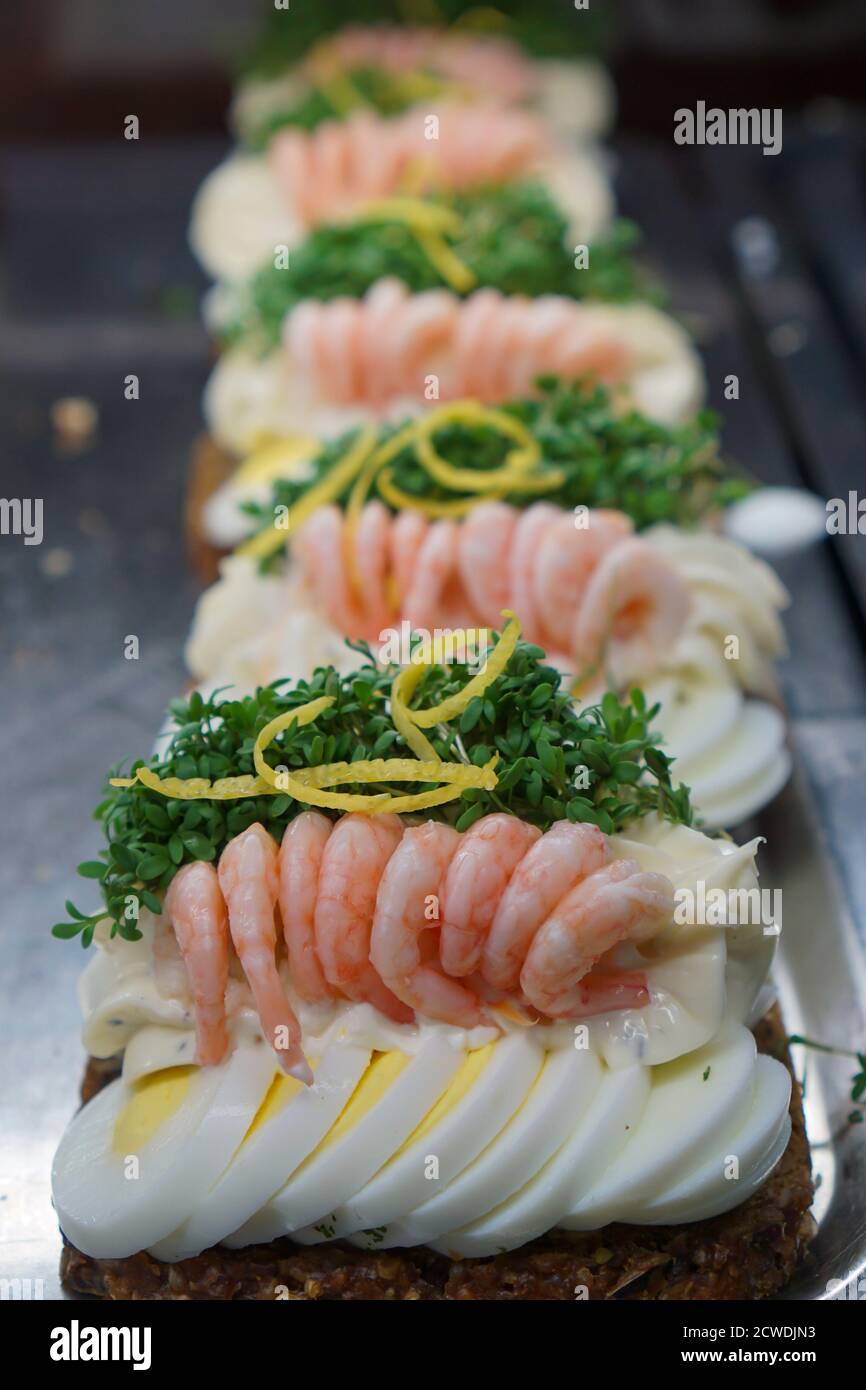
537	25
377	89
652	472
601	764
512	238
858	1080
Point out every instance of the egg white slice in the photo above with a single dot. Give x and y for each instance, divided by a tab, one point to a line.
601	1122
696	709
180	1126
750	796
758	1145
290	1123
694	1102
749	753
536	1131
390	1101
490	1085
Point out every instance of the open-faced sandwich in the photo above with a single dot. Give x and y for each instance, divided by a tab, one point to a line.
256	209
388	68
392	353
411	994
595	528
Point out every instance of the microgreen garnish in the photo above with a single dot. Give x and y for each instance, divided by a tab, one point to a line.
652	472
858	1080
601	764
284	37
374	89
512	238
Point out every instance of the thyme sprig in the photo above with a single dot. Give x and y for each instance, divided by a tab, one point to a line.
512	237
652	472
602	764
858	1080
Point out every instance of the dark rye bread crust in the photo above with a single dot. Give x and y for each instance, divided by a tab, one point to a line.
749	1253
209	467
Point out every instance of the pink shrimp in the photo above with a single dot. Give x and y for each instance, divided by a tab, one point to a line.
583	592
408	530
406	927
489	853
353	861
502	344
403	348
413	918
195	907
484	548
332	171
382	348
301	854
423	602
321	547
488	63
615	904
568	554
633	609
249	880
370	573
563	857
531	527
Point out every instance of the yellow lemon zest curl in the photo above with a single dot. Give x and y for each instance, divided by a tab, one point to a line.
263	544
407	501
366	465
495	665
311	785
429	223
276	457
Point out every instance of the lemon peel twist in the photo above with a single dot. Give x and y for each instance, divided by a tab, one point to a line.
260	546
311	785
496	664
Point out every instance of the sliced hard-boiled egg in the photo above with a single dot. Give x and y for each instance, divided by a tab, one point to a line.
489	1086
695	1103
391	1100
539	1126
744	1157
602	1120
134	1161
290	1123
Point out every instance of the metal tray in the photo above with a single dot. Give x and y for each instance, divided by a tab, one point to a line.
820	974
73	705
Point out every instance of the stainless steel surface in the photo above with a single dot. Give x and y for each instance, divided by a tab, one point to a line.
820	974
112	564
92	258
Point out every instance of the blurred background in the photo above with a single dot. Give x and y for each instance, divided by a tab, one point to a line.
66	65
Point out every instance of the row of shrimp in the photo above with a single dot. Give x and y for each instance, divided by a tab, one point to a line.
490	62
412	919
491	347
330	172
585	588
